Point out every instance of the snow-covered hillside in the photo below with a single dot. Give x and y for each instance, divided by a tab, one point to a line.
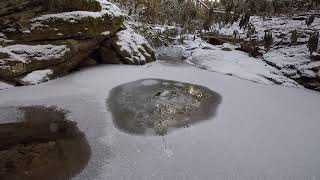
293	60
225	59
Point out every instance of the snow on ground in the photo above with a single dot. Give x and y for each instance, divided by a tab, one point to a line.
278	25
260	131
287	58
290	60
37	77
225	59
4	85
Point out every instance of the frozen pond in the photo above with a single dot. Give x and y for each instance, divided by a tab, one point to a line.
258	131
156	106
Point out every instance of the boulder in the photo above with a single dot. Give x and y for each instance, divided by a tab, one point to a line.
17	60
54	26
14	7
127	47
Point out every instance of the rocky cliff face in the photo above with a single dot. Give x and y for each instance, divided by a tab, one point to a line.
45	39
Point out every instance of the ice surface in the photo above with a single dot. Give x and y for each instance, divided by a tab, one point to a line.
263	131
4	85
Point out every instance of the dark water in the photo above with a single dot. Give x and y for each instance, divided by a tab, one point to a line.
156	106
41	144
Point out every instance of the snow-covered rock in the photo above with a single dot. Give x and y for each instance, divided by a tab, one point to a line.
78	23
129	48
173	53
36	77
16	60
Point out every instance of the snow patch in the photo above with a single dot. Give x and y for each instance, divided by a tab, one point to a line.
26	53
72	17
106	33
110	9
37	77
283	57
278	25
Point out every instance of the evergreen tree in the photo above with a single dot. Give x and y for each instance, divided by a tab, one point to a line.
313	42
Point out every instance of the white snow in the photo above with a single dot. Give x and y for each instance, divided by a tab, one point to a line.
110	9
260	132
311	65
289	59
10	56
278	25
37	77
26	53
106	33
68	16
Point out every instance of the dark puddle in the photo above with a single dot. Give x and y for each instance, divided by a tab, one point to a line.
42	145
156	106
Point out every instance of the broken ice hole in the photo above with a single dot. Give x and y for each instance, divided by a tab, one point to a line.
157	106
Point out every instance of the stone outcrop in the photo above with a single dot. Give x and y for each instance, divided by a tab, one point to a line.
58	36
126	47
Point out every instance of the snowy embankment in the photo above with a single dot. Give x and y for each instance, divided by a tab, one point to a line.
285	64
226	60
292	60
261	131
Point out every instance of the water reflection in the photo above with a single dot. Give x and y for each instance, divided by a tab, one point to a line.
41	145
155	106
